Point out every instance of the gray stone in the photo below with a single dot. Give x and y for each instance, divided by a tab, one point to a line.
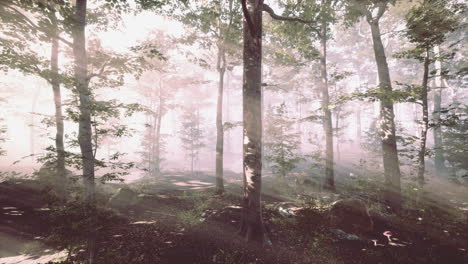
123	199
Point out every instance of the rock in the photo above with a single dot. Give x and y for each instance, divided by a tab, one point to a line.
48	174
123	199
344	236
229	214
351	216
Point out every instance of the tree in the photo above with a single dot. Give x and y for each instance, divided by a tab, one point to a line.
191	134
85	134
318	18
17	55
437	131
158	86
280	142
454	124
427	24
338	109
252	227
373	10
219	22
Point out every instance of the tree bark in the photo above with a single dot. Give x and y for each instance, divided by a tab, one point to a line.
252	227
59	145
438	141
219	124
85	128
425	121
392	193
327	116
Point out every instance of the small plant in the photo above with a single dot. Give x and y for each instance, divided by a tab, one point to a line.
200	203
70	225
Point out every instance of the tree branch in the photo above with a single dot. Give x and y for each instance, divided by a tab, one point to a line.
247	17
270	11
382	6
31	24
101	71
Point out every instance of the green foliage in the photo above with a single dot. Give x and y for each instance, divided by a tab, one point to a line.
105	129
70	224
407	93
213	24
429	23
280	143
301	36
199	202
355	9
454	124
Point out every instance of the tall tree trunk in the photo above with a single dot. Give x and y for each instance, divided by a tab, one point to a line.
228	114
358	125
85	128
327	116
392	193
152	138
425	121
337	129
252	227
438	155
191	162
59	145
219	123
32	126
157	153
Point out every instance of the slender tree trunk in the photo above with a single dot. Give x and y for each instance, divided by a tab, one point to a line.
59	145
150	121
191	163
32	127
327	116
392	193
85	129
152	138
252	227
425	121
219	124
358	125
228	114
158	134
337	129
438	155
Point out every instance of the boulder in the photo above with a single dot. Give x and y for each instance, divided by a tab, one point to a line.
54	182
351	216
123	199
48	173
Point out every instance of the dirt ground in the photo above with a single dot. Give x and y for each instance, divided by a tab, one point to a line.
178	219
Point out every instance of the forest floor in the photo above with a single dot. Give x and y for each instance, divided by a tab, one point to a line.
179	219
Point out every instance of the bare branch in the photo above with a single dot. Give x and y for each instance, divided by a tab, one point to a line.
270	11
100	73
